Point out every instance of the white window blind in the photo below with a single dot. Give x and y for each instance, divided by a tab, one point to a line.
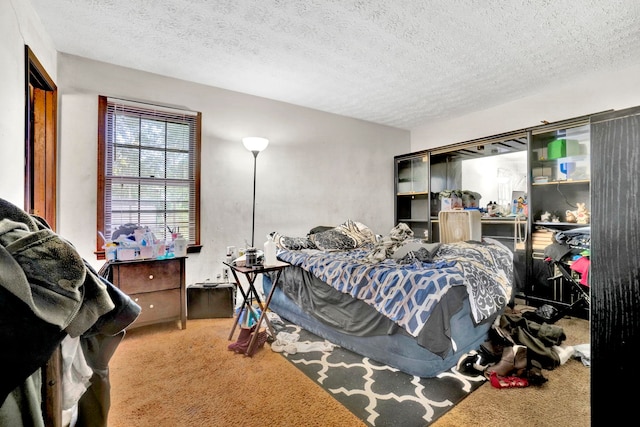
150	169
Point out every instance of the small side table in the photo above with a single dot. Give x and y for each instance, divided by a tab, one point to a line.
251	273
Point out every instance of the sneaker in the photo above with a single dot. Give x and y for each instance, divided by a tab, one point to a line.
467	364
483	360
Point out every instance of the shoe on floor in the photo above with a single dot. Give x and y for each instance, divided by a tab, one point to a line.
467	364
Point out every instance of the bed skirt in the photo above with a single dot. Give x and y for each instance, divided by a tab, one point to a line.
397	350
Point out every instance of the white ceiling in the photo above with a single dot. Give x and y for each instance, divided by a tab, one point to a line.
401	63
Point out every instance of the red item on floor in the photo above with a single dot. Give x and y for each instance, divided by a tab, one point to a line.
507	382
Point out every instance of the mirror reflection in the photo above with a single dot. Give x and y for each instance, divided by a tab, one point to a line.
495	170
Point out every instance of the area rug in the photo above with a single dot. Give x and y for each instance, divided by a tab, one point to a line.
378	394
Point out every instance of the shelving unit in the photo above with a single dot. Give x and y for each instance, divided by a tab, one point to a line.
561	154
412	192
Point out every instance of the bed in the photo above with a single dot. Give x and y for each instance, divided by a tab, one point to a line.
395	299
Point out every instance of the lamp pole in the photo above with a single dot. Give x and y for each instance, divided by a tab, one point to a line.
255	144
253	217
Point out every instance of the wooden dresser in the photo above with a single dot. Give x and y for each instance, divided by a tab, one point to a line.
157	286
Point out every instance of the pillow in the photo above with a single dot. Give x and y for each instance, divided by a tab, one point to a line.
333	240
415	246
292	243
359	232
421	255
319	229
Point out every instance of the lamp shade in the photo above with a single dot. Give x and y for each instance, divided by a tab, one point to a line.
255	143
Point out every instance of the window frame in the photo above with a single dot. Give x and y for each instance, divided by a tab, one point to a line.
194	246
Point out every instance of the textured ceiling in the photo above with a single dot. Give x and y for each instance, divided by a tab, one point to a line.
401	63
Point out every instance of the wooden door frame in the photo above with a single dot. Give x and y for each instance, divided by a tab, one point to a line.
40	189
41	115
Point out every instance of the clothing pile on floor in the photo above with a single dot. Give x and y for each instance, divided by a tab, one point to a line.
289	342
517	350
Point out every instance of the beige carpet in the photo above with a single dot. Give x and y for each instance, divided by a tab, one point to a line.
164	376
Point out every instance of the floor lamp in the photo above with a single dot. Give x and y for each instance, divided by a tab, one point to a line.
255	144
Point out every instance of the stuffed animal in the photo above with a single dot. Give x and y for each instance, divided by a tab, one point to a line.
570	216
582	214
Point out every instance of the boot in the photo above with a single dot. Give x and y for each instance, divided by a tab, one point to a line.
486	359
243	340
520	362
491	351
260	340
514	359
534	373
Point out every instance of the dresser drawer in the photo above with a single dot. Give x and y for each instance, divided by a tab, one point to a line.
157	286
157	306
150	276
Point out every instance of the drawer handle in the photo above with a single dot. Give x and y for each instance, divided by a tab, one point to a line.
136	300
151	277
150	305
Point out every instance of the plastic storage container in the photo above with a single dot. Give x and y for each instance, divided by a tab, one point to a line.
562	148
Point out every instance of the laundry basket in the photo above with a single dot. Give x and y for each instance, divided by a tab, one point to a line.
460	225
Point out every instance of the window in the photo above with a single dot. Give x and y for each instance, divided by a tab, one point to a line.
148	170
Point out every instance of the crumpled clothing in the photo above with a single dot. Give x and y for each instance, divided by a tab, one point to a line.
583	352
76	375
289	343
422	255
582	265
538	338
576	238
564	352
46	272
557	251
386	246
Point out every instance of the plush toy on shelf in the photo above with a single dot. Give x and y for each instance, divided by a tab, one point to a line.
570	216
582	214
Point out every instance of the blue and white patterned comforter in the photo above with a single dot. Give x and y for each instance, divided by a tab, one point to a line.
408	293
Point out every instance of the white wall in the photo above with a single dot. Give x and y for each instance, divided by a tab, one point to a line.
19	26
319	168
588	95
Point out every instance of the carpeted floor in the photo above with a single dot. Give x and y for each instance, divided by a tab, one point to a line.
164	376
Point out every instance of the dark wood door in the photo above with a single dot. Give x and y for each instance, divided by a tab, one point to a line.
40	142
615	262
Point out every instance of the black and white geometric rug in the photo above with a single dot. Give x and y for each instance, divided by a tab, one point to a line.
378	394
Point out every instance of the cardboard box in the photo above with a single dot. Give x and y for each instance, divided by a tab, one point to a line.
210	300
542	171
